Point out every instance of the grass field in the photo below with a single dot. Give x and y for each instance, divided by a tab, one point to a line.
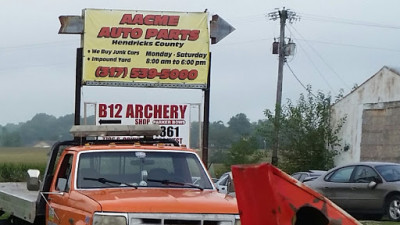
23	155
14	162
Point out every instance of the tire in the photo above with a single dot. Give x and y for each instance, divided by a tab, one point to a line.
393	208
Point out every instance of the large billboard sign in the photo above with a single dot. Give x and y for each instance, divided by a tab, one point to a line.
145	48
172	118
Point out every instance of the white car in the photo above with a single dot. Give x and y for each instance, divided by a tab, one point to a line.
223	182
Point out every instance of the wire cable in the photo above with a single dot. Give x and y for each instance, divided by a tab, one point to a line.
346	21
320	57
316	68
298	80
350	45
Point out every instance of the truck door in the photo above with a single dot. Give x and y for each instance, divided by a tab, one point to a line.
60	191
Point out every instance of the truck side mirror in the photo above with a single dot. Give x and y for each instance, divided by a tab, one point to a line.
33	183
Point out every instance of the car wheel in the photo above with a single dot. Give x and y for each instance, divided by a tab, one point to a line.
393	208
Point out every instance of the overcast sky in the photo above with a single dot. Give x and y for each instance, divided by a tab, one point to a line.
339	43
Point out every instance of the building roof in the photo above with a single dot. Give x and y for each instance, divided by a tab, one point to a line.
395	70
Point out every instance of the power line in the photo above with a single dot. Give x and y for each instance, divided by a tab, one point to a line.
346	21
350	45
321	58
316	68
298	80
316	41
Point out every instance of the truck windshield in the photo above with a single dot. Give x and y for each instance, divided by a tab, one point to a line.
141	169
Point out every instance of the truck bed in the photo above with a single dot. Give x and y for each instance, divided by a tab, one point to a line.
17	200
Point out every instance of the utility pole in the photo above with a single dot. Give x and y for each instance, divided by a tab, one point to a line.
283	50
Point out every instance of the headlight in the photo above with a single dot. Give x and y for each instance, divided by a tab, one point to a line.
109	219
237	220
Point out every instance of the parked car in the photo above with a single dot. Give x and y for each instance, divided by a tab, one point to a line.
223	182
308	175
369	189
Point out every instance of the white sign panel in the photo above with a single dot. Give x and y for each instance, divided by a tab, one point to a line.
172	118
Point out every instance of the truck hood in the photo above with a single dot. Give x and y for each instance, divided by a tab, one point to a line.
163	200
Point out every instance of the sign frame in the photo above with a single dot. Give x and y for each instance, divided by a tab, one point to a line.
175	54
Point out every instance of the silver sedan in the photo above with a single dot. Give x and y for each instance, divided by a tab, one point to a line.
371	189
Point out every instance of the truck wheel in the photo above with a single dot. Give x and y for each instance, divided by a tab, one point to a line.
393	208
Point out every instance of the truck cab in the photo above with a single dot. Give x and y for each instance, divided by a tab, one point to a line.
139	181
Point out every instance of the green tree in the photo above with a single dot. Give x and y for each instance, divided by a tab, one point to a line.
264	129
242	152
240	126
41	127
307	138
9	138
220	137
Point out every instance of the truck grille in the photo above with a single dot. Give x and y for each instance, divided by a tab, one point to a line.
180	219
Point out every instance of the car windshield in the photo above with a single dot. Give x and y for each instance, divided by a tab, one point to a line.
105	169
389	172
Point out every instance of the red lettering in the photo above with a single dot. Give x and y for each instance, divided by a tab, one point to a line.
139	111
151	33
126	19
162	20
174	111
102	110
163	34
147	111
157	111
130	113
125	32
174	34
165	111
115	32
137	19
142	121
158	20
183	110
136	33
173	21
185	34
118	107
149	20
104	32
194	35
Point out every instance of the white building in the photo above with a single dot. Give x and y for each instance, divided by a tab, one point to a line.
372	128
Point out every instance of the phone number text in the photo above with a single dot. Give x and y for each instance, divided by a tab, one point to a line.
146	73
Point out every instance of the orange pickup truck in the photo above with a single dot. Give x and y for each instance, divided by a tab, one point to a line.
119	182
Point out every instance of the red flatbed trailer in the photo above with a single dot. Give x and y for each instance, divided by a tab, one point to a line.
267	195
